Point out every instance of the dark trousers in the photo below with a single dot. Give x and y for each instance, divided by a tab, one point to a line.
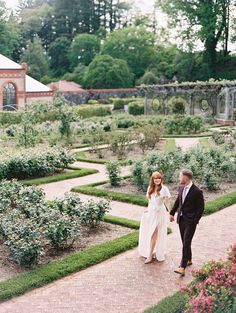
187	231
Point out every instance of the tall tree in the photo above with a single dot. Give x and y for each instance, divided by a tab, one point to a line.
205	20
8	31
58	53
84	48
35	57
135	45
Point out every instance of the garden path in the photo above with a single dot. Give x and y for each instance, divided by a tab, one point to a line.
123	283
186	143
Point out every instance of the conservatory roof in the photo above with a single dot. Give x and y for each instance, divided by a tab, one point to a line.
7	64
33	85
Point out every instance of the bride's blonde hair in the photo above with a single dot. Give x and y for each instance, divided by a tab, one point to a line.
152	185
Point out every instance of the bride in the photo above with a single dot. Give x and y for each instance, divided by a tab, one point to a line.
153	227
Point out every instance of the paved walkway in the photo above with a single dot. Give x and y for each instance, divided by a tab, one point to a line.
186	143
123	283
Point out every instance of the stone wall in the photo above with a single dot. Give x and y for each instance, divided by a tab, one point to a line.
100	94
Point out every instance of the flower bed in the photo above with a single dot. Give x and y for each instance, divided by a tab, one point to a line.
32	163
32	228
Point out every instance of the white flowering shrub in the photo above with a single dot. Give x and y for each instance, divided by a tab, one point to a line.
29	223
33	163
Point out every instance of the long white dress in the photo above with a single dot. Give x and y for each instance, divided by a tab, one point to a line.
155	217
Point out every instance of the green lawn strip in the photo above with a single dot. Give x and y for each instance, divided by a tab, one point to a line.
170	145
77	172
58	269
204	142
187	135
172	304
211	206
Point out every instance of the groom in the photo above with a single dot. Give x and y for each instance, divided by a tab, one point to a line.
189	206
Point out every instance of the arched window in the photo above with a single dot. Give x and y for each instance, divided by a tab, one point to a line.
9	97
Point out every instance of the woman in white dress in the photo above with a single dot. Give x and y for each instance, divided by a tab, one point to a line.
153	227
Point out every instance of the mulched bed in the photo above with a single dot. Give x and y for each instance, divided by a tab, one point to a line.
127	186
88	238
134	153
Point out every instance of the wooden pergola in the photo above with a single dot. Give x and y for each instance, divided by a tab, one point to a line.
216	98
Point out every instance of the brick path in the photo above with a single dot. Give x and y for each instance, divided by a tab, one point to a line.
123	283
186	143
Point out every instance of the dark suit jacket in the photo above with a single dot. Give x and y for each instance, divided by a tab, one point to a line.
193	206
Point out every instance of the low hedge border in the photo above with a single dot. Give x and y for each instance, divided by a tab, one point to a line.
171	304
211	206
80	156
77	172
113	195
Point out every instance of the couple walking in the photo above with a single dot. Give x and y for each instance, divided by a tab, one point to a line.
189	207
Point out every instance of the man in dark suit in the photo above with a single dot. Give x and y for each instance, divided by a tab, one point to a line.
189	206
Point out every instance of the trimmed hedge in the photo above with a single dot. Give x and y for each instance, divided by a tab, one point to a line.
77	172
211	206
220	203
113	195
76	262
136	108
80	156
171	304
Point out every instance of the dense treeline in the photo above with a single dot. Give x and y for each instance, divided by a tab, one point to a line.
102	43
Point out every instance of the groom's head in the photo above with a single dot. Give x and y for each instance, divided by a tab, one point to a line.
186	176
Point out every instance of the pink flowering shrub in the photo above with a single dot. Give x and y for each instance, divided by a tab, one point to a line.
213	287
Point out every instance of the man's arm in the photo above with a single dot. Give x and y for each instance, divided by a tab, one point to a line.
175	207
200	206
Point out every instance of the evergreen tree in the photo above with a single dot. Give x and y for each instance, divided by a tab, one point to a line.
36	59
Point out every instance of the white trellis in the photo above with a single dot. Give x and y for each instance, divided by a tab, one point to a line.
217	98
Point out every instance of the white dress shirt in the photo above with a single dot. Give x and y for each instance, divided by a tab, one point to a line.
186	191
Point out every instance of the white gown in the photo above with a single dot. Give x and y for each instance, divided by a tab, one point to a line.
155	217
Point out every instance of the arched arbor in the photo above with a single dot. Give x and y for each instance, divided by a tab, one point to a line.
216	98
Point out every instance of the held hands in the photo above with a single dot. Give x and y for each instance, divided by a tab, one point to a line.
172	218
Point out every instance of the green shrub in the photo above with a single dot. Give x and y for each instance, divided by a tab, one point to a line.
114	172
124	121
211	181
9	118
136	108
118	104
92	213
60	229
218	137
98	110
91	101
33	163
148	136
120	144
22	239
177	105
